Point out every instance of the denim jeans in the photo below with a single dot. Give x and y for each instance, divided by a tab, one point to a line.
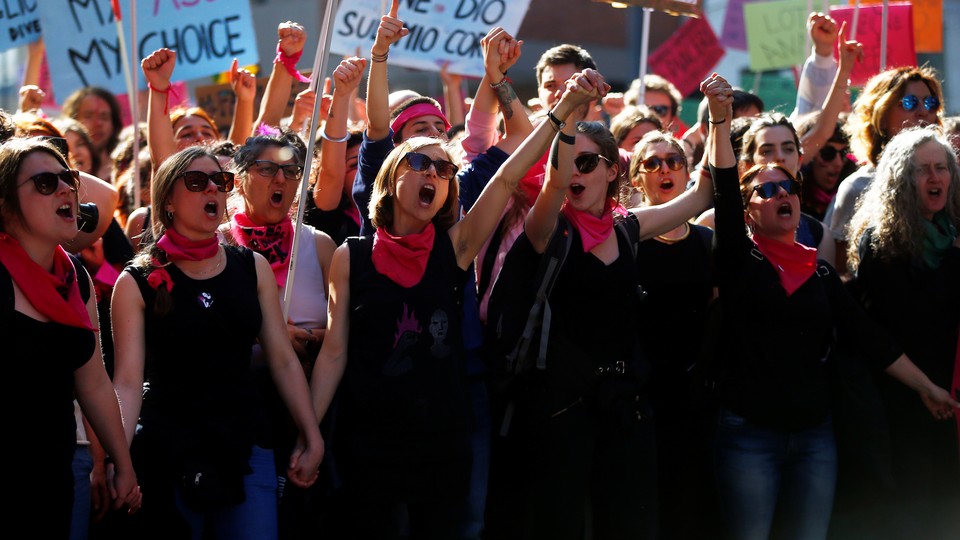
772	481
82	466
253	519
472	524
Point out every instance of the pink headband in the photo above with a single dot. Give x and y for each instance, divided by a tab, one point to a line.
414	111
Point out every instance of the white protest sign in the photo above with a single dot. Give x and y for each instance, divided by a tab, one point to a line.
440	30
83	48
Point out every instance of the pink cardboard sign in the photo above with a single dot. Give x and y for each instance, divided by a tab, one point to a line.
688	56
900	44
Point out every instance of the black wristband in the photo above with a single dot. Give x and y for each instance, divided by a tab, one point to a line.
566	139
718	122
556	121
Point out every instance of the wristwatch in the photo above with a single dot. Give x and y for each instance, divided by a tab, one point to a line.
556	121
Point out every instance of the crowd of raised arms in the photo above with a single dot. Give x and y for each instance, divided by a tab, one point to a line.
565	317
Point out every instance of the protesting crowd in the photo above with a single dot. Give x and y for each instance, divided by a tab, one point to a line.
563	317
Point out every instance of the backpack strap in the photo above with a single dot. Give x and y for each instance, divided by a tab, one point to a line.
629	228
83	278
547	271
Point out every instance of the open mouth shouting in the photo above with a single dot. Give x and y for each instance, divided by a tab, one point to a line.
212	209
65	211
577	189
277	197
785	210
426	194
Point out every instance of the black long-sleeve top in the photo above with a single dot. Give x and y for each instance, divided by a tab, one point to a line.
774	348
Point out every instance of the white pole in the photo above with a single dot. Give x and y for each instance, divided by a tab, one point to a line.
883	34
134	103
319	68
856	20
644	48
131	87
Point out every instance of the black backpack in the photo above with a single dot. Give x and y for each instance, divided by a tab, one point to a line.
519	314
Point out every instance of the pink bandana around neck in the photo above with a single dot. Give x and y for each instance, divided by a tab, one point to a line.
272	241
795	263
55	294
403	259
593	230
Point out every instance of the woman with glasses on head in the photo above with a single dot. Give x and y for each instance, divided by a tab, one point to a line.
582	426
269	169
677	276
49	317
890	102
774	451
186	315
905	252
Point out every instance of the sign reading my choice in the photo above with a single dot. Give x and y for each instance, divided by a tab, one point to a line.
83	48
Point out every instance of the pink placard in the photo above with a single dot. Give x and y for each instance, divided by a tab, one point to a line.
900	44
688	56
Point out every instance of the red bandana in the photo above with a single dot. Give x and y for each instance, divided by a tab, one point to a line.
272	241
795	262
532	182
55	295
593	230
403	259
179	248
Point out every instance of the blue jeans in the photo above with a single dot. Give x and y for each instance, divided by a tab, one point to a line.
472	524
82	466
772	480
253	519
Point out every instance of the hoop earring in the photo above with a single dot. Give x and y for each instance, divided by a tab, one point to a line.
169	215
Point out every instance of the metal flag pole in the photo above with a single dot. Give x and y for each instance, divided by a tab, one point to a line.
319	68
644	48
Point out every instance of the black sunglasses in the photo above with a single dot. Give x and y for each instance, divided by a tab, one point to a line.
829	153
769	190
586	163
46	183
659	110
420	162
197	181
266	168
910	102
653	163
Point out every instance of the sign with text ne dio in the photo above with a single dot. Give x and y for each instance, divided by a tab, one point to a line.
440	30
83	48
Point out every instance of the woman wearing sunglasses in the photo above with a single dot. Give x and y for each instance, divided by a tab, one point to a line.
582	426
891	101
394	344
186	314
268	180
53	335
774	451
677	275
905	251
830	164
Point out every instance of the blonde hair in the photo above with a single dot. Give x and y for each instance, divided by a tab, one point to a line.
385	186
865	126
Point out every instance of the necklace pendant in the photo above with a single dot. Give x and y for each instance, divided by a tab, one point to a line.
205	299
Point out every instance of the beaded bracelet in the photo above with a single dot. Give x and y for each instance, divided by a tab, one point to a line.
504	81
